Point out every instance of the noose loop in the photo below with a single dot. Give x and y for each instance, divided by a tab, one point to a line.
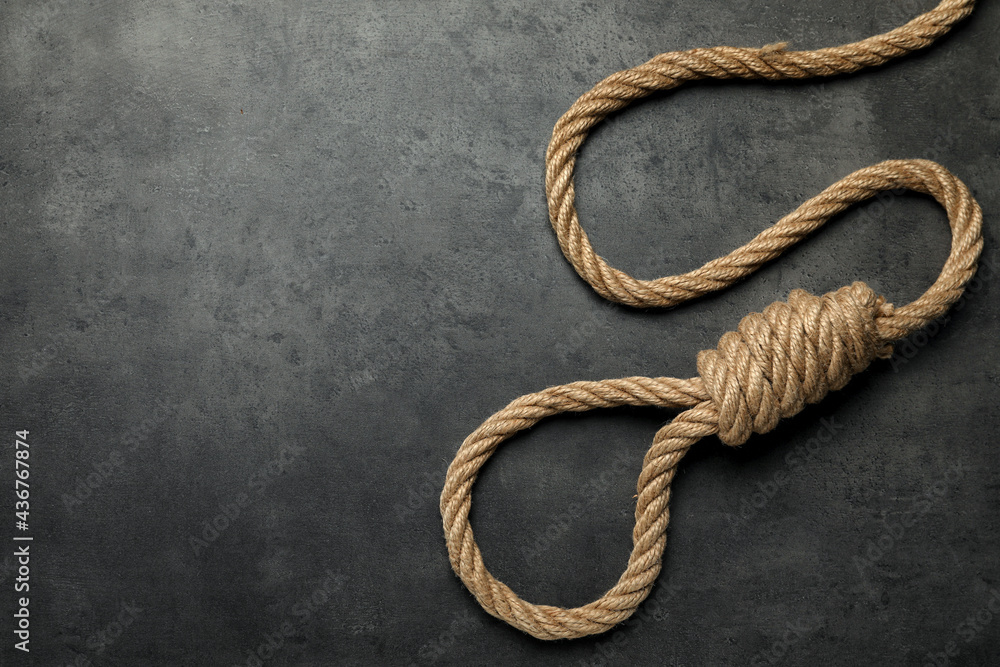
776	362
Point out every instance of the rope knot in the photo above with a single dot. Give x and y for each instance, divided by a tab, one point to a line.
792	354
771	367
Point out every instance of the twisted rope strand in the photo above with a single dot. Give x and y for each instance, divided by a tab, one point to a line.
776	362
669	70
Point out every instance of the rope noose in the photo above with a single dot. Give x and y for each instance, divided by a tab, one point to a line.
774	364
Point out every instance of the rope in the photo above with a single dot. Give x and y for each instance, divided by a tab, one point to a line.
775	363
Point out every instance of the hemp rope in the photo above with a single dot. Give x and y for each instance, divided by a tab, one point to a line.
774	364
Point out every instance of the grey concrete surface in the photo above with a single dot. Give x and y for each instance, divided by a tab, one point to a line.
265	265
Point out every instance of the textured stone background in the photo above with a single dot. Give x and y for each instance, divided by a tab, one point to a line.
279	259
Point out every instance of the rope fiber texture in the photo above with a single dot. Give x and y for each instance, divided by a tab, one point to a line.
775	362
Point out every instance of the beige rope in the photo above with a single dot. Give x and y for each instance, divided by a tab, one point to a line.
774	364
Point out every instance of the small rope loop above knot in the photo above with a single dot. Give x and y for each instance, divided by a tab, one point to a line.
790	355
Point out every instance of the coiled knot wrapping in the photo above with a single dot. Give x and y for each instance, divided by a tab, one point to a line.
790	355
